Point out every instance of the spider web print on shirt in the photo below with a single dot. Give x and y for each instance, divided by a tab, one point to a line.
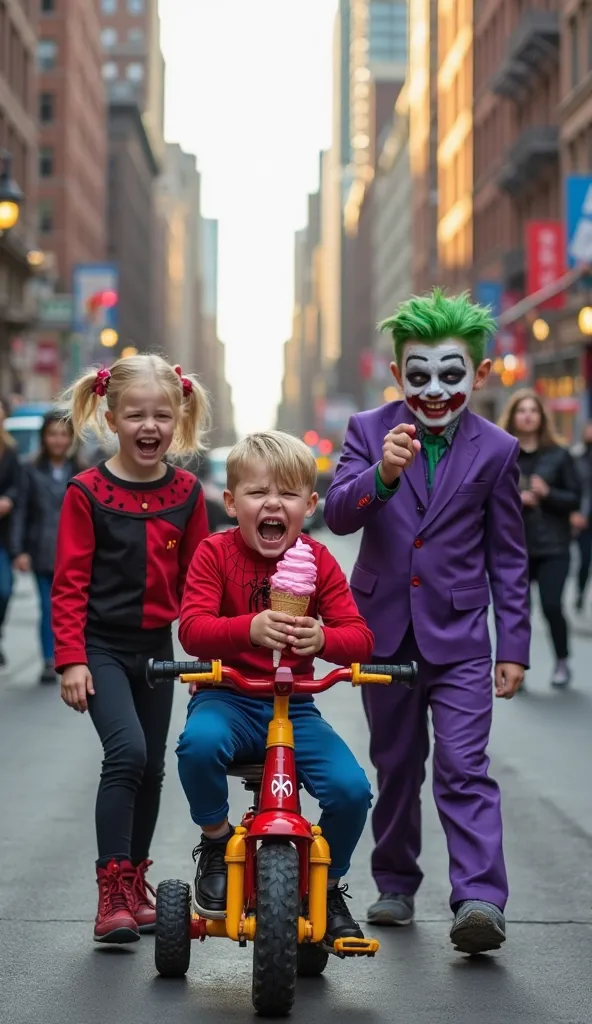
248	575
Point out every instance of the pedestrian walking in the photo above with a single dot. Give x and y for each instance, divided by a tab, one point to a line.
551	492
9	484
434	488
581	520
127	532
34	527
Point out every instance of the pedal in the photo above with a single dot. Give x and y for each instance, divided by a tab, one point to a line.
356	947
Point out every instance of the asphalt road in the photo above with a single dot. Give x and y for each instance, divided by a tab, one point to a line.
51	972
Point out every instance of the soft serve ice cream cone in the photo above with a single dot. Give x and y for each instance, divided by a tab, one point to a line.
293	583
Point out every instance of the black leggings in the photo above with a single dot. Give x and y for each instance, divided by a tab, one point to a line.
132	721
551	575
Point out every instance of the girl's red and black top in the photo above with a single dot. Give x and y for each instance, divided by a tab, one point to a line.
122	557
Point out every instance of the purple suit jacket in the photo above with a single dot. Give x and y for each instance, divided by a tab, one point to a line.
435	561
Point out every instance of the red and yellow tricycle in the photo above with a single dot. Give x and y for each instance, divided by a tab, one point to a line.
277	861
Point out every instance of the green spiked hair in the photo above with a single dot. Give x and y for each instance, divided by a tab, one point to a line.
432	318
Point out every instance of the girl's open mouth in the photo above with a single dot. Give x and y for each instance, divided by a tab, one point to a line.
271	530
148	446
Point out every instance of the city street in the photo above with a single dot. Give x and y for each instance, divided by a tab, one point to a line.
51	972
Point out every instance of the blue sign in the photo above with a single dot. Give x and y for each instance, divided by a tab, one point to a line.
489	293
578	216
95	290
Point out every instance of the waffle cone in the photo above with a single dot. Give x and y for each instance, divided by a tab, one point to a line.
291	604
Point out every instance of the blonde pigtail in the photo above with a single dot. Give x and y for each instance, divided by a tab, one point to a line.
194	419
83	405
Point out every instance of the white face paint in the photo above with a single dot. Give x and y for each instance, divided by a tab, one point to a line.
437	381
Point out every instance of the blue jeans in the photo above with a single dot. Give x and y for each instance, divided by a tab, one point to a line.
6	583
44	582
225	727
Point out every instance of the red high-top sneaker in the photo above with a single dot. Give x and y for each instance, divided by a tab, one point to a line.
115	921
142	896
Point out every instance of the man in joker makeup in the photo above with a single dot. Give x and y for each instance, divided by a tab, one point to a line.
435	490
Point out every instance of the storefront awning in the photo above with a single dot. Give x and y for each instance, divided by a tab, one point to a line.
510	316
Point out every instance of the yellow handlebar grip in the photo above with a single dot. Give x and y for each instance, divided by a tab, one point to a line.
359	677
215	676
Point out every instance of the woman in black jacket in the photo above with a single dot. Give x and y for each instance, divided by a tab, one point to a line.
36	516
551	492
9	484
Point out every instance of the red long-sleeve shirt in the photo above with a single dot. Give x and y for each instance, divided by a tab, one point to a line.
122	557
228	584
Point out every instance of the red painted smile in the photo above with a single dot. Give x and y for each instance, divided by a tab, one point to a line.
436	410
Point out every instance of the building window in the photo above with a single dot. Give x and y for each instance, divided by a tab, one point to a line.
47	6
134	72
135	36
46	166
109	6
45	218
574	52
47	54
110	71
46	107
135	6
109	37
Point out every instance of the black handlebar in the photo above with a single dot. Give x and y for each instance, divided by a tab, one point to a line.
399	673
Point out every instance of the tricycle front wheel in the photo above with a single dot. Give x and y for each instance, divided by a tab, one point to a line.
275	954
312	960
172	940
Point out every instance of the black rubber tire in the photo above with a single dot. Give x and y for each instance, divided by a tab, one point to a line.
312	960
275	954
172	938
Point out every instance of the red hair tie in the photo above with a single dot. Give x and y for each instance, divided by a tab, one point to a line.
101	382
187	385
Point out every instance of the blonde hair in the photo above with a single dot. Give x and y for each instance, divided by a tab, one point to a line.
547	433
86	408
288	458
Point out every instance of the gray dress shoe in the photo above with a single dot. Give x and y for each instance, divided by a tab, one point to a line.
391	909
478	927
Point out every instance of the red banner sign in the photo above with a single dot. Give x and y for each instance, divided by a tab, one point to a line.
545	258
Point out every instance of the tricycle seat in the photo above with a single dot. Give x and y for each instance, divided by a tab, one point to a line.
251	774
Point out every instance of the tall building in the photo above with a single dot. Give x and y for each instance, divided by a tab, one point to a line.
130	220
423	139
211	351
132	54
72	136
178	218
18	136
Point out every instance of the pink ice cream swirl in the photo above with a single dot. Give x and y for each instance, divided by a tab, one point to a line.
297	571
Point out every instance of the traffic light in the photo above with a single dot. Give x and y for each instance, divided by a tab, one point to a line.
311	438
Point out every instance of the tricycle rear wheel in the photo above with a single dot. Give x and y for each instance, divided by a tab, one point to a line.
312	960
172	940
275	953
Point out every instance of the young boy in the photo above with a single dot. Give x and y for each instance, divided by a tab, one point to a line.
435	490
226	615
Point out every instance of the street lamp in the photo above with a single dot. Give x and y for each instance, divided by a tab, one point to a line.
108	337
585	319
11	196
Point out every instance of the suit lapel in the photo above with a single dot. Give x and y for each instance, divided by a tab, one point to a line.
416	475
455	467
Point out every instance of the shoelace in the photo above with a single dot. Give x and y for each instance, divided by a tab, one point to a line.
336	901
116	896
139	884
213	854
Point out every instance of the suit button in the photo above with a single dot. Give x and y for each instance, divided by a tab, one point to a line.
418	543
415	581
420	508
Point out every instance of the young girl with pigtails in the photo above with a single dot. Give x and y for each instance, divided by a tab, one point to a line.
127	533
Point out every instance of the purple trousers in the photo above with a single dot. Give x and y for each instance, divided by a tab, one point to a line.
461	700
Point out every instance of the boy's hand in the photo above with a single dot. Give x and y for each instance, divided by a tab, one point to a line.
271	629
307	637
76	684
508	679
398	452
529	499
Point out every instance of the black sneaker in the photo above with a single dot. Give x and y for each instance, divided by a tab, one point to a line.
211	877
48	675
340	923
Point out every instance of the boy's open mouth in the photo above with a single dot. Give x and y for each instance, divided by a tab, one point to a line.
148	446
271	529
